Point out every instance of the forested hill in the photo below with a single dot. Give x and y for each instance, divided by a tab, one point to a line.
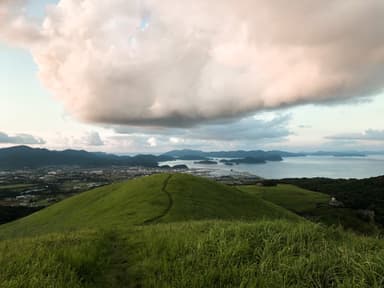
25	157
354	193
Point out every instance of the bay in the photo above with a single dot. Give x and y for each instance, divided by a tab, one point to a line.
298	167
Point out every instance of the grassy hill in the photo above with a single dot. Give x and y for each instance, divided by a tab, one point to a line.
288	196
311	205
354	193
158	198
181	231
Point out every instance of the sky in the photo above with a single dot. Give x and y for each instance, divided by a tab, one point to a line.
151	76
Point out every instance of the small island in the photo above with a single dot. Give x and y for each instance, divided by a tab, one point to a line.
180	167
249	160
206	162
165	167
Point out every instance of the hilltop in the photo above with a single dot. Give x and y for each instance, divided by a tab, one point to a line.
175	230
159	198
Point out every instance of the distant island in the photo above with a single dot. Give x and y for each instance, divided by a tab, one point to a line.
246	160
206	162
180	167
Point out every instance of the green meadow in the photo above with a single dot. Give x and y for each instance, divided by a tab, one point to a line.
311	205
176	230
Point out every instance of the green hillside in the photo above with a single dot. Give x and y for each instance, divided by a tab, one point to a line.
311	205
174	230
158	198
289	196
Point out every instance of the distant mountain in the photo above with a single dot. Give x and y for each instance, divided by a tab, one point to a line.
26	157
184	153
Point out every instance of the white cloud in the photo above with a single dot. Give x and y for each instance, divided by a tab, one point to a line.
176	140
178	63
247	133
93	139
368	135
22	139
152	142
250	128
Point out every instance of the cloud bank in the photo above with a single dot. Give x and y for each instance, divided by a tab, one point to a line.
93	139
368	135
240	134
180	63
21	139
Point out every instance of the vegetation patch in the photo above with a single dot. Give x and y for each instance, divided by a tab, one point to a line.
312	205
174	230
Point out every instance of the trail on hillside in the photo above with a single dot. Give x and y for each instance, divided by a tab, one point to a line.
169	206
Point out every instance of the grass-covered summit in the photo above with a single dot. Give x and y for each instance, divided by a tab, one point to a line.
155	199
175	230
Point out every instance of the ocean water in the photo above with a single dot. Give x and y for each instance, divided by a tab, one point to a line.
297	167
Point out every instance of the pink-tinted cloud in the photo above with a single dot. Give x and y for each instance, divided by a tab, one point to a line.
178	63
15	27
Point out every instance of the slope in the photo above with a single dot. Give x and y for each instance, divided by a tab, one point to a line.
157	198
202	199
288	196
311	205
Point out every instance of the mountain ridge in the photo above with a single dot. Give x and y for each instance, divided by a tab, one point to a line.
19	157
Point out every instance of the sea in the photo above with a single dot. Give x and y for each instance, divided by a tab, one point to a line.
299	167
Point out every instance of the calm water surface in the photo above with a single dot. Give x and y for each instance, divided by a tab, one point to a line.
310	166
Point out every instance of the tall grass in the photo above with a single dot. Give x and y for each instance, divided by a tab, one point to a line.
262	254
56	260
192	254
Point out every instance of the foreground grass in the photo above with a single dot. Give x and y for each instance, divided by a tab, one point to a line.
269	253
262	254
56	260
